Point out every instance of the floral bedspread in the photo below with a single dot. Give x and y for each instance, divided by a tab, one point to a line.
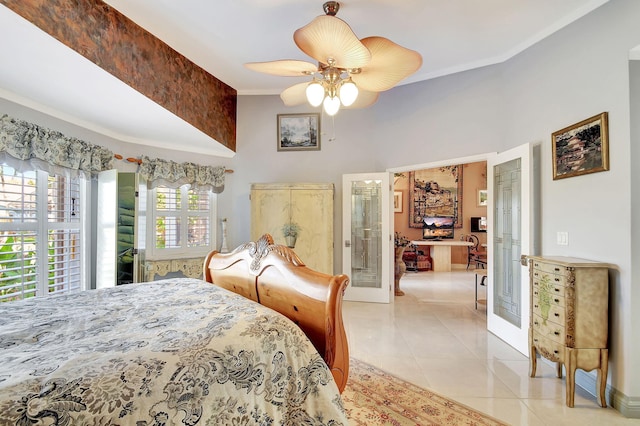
170	352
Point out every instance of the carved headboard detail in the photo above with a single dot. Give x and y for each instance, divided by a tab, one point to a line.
274	276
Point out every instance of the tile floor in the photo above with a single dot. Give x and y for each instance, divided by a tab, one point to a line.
434	337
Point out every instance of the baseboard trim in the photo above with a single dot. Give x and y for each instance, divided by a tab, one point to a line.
628	406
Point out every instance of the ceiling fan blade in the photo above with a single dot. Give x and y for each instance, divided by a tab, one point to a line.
284	67
390	63
328	37
365	99
295	95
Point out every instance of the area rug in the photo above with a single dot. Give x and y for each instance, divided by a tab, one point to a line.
374	397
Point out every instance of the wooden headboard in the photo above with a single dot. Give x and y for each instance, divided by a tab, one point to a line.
274	276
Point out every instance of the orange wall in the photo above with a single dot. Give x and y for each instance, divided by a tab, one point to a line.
474	177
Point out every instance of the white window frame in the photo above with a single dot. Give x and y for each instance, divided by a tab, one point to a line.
184	252
42	226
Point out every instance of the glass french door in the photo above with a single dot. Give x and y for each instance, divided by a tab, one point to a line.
510	213
366	231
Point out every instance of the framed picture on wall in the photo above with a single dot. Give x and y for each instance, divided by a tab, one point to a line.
482	197
581	148
397	201
299	132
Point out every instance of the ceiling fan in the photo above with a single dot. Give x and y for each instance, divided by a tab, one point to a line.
350	72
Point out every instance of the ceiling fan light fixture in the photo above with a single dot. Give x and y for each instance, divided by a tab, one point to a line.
331	105
315	93
348	93
348	72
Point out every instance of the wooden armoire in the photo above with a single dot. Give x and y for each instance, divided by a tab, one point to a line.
308	205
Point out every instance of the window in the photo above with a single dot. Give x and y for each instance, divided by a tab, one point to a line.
40	234
183	219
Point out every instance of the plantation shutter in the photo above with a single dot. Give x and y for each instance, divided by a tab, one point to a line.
18	234
199	218
40	234
63	245
183	220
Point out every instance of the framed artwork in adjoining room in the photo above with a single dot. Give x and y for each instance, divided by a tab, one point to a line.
299	132
435	192
482	197
397	201
581	148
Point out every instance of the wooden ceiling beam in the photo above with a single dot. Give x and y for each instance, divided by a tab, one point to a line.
127	51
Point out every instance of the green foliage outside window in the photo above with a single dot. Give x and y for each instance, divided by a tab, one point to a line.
13	267
16	264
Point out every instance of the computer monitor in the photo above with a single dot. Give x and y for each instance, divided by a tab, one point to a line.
437	227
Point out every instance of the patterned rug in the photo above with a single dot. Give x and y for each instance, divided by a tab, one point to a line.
373	397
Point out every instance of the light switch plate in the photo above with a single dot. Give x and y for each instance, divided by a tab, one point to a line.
562	238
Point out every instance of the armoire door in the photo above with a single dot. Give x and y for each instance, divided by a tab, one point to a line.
310	206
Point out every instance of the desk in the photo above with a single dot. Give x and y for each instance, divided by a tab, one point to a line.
441	252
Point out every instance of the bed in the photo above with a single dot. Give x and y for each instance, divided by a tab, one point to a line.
182	351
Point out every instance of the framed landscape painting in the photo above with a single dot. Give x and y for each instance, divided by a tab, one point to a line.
581	148
299	132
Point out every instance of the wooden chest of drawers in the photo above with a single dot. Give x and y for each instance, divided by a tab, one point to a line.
569	317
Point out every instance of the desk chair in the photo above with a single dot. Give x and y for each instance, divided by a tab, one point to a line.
475	255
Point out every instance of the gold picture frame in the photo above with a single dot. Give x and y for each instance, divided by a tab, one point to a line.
581	148
397	201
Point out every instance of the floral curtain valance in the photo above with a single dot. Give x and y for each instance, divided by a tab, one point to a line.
172	174
49	150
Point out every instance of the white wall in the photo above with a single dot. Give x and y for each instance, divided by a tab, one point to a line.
411	124
578	73
574	74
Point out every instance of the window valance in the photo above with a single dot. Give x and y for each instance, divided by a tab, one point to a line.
172	174
25	145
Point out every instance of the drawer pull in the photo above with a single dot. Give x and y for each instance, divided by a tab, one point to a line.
557	280
556	300
535	306
557	290
556	333
556	314
555	352
556	269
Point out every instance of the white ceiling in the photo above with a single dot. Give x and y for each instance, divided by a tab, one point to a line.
222	35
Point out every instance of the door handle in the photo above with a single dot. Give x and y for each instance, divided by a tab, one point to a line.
347	243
